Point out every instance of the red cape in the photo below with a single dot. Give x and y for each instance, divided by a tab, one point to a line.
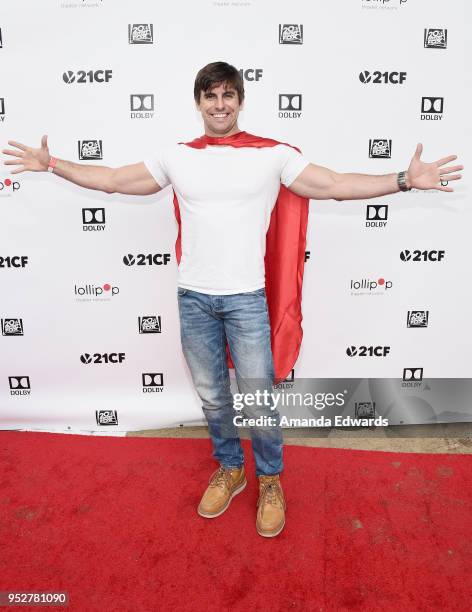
284	259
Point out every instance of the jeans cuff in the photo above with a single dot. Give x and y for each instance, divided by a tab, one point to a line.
258	473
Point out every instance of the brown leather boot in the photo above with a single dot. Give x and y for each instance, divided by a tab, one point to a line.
271	507
224	485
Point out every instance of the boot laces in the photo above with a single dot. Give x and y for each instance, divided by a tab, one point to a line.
221	478
271	493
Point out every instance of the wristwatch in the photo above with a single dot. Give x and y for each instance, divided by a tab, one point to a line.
401	181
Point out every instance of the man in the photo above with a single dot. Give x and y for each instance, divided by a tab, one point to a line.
225	193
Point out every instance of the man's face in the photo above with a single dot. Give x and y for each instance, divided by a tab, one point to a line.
220	109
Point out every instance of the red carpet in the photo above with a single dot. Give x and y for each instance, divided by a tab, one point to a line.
113	521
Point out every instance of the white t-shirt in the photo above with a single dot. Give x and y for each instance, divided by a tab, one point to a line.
226	196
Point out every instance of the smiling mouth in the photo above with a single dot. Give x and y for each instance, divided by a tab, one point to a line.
219	115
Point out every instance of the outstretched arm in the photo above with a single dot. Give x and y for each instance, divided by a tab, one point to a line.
134	179
321	183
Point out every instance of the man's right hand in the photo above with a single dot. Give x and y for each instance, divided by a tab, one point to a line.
134	179
35	160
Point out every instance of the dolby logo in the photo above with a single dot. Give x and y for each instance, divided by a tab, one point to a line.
435	38
291	34
290	106
251	74
291	377
367	286
93	219
412	377
364	410
288	383
140	34
91	291
12	327
422	255
153	382
90	149
417	318
380	148
2	109
376	215
432	108
141	106
19	385
106	417
393	78
149	325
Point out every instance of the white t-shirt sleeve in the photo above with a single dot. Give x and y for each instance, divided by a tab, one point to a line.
292	164
157	167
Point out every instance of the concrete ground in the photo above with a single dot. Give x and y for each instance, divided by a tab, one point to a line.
437	438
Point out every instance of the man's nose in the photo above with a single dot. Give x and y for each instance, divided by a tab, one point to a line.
220	103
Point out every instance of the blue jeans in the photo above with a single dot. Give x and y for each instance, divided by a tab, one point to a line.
242	319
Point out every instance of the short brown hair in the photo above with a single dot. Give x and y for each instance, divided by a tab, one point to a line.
215	74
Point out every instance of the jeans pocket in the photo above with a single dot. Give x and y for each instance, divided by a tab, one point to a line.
181	291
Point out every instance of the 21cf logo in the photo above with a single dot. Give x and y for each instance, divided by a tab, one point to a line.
367	351
251	74
395	78
156	259
17	261
102	358
90	76
422	255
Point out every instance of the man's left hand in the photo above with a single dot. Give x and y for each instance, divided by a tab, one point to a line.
433	175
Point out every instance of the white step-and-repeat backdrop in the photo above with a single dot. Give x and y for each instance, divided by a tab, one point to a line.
90	334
